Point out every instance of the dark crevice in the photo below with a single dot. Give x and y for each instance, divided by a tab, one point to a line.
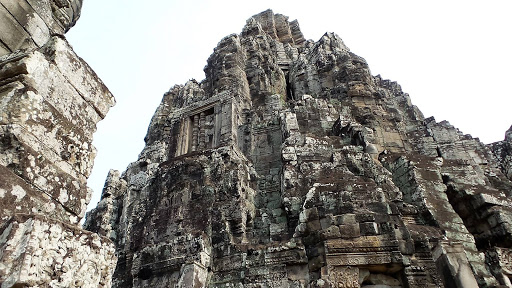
5	46
439	154
145	273
289	90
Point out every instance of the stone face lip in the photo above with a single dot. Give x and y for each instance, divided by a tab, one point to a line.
290	165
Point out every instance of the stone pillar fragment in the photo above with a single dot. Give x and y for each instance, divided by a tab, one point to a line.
452	261
193	275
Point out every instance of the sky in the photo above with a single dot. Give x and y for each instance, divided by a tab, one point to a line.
454	58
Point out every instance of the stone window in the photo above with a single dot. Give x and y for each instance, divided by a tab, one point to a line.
198	132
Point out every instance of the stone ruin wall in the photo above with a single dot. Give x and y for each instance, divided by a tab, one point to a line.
290	165
50	102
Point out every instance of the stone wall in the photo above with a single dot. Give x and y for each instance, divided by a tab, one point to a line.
50	102
290	165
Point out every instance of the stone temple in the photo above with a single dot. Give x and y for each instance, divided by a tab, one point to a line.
289	165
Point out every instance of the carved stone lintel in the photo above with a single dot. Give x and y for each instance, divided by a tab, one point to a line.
356	259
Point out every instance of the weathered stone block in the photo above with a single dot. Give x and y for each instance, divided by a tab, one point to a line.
308	215
18	196
345	219
36	248
46	177
331	232
350	230
365	217
369	228
36	21
327	221
451	259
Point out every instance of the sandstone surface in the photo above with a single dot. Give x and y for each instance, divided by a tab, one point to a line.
291	165
50	102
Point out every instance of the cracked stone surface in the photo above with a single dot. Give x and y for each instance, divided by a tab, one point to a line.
50	102
291	165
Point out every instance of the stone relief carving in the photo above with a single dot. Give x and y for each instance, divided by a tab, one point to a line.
344	277
66	12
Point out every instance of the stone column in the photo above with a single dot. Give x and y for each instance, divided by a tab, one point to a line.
202	133
195	132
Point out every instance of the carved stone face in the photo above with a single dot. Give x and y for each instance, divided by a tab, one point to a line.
66	12
30	23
